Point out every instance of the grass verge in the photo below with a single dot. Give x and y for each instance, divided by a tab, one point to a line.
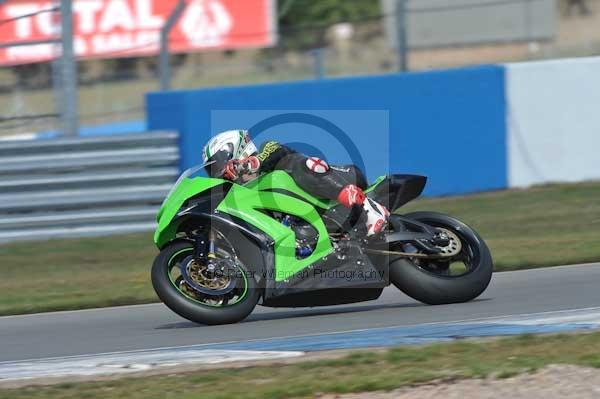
357	372
541	226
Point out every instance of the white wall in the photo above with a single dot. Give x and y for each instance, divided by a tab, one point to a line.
553	121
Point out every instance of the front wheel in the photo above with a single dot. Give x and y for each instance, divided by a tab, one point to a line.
175	291
460	278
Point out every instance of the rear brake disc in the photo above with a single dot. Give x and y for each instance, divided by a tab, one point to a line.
454	245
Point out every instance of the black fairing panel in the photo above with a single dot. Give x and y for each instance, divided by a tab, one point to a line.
324	297
397	190
208	200
332	281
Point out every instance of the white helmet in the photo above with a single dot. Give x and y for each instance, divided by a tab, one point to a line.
225	146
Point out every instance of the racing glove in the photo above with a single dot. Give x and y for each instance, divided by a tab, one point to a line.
235	168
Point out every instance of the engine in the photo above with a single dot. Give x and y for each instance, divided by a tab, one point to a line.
306	235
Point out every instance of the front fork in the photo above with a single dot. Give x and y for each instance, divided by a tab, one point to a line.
204	247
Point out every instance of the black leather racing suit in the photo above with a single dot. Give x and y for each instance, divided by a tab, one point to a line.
326	185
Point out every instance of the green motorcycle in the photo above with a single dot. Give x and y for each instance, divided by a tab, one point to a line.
225	247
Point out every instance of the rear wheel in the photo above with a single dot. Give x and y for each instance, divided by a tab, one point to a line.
200	294
461	277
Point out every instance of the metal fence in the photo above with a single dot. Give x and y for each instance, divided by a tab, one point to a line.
72	187
113	90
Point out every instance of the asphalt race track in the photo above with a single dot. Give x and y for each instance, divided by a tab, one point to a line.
154	326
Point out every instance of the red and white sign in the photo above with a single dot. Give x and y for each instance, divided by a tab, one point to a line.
127	28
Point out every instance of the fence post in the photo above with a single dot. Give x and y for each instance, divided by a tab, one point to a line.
164	67
69	98
401	42
319	63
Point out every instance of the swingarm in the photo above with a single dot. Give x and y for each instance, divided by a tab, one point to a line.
416	239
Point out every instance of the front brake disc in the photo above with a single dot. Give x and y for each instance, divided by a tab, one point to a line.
220	280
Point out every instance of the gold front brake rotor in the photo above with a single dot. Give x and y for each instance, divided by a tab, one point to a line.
206	278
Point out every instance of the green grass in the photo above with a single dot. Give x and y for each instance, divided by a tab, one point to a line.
542	226
76	274
356	372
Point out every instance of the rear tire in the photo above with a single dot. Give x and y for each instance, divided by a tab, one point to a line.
192	310
435	289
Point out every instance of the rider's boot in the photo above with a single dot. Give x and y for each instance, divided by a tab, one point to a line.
376	214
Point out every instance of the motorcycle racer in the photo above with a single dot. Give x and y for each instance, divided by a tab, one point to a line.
233	156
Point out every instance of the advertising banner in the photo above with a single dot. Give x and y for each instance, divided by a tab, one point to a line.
128	28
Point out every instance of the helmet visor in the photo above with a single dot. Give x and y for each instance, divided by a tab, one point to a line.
216	163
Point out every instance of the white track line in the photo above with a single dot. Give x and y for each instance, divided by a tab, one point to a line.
59	312
103	364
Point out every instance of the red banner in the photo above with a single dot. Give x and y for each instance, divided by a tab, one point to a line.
127	28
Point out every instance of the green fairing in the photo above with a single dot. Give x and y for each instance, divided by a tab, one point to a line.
248	203
375	184
186	189
281	180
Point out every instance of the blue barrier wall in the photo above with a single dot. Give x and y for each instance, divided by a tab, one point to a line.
448	125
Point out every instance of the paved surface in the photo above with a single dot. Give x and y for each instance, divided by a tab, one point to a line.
154	326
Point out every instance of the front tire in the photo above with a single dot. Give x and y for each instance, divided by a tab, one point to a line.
188	307
430	284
